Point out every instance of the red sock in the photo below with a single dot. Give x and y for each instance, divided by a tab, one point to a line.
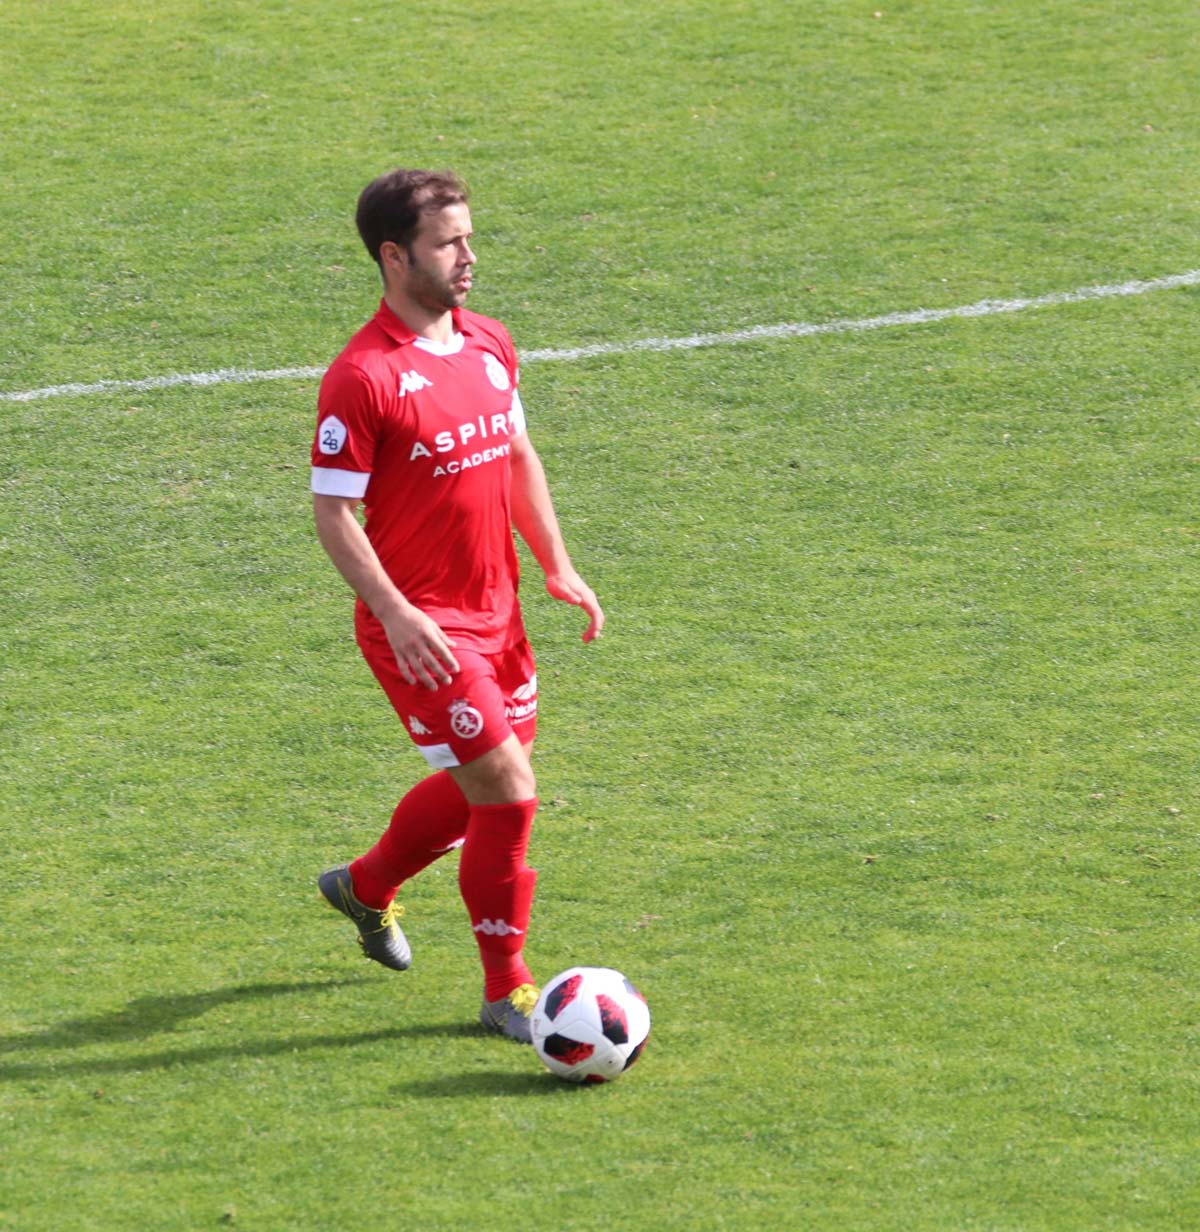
497	888
427	823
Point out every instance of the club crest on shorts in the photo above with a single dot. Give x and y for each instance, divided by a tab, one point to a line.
465	720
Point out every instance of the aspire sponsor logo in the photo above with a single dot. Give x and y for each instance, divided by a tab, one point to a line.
480	458
468	434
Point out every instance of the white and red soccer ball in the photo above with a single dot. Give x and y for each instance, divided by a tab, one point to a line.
590	1024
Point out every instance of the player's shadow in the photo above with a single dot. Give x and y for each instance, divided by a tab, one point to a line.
487	1083
147	1017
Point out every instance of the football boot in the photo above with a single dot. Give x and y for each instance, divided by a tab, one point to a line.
510	1015
378	933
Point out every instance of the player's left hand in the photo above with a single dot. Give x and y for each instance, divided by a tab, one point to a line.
569	587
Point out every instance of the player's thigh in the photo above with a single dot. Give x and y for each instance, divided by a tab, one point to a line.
503	775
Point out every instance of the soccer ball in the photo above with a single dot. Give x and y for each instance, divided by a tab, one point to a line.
590	1024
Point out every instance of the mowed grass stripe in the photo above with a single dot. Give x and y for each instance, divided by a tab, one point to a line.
755	333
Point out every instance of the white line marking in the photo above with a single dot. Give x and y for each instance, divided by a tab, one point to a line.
223	376
757	333
922	316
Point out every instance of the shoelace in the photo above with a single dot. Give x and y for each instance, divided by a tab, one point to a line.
390	915
524	998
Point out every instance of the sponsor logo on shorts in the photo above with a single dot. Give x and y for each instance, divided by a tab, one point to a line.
524	702
465	721
526	692
416	726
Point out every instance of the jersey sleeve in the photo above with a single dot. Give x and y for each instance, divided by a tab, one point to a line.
508	355
516	416
343	450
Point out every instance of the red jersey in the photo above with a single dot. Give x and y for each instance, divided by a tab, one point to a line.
422	434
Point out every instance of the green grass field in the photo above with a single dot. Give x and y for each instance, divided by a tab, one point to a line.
882	783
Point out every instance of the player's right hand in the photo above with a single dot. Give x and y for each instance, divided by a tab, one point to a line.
424	654
571	588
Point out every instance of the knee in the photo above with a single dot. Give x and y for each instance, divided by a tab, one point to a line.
503	776
514	784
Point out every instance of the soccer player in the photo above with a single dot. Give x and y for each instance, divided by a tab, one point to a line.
420	421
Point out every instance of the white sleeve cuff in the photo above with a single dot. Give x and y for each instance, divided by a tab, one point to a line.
326	481
516	417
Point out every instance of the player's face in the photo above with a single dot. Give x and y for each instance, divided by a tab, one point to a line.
438	270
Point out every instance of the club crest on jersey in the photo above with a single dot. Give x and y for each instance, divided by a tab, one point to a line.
410	382
496	371
465	720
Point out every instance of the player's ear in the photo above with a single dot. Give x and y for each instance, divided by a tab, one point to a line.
392	258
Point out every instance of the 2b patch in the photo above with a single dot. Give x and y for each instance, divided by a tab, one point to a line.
331	436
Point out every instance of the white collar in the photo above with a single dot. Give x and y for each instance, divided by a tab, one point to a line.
441	348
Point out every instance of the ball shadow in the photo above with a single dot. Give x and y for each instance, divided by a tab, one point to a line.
485	1083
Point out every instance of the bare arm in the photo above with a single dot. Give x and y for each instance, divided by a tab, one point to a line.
535	520
424	653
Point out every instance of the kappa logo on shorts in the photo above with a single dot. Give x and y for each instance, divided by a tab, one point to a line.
465	720
416	726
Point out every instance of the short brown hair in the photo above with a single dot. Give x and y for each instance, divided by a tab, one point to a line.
390	207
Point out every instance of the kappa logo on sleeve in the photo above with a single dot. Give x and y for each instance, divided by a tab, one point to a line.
331	435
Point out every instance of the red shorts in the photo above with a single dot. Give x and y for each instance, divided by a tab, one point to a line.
492	697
